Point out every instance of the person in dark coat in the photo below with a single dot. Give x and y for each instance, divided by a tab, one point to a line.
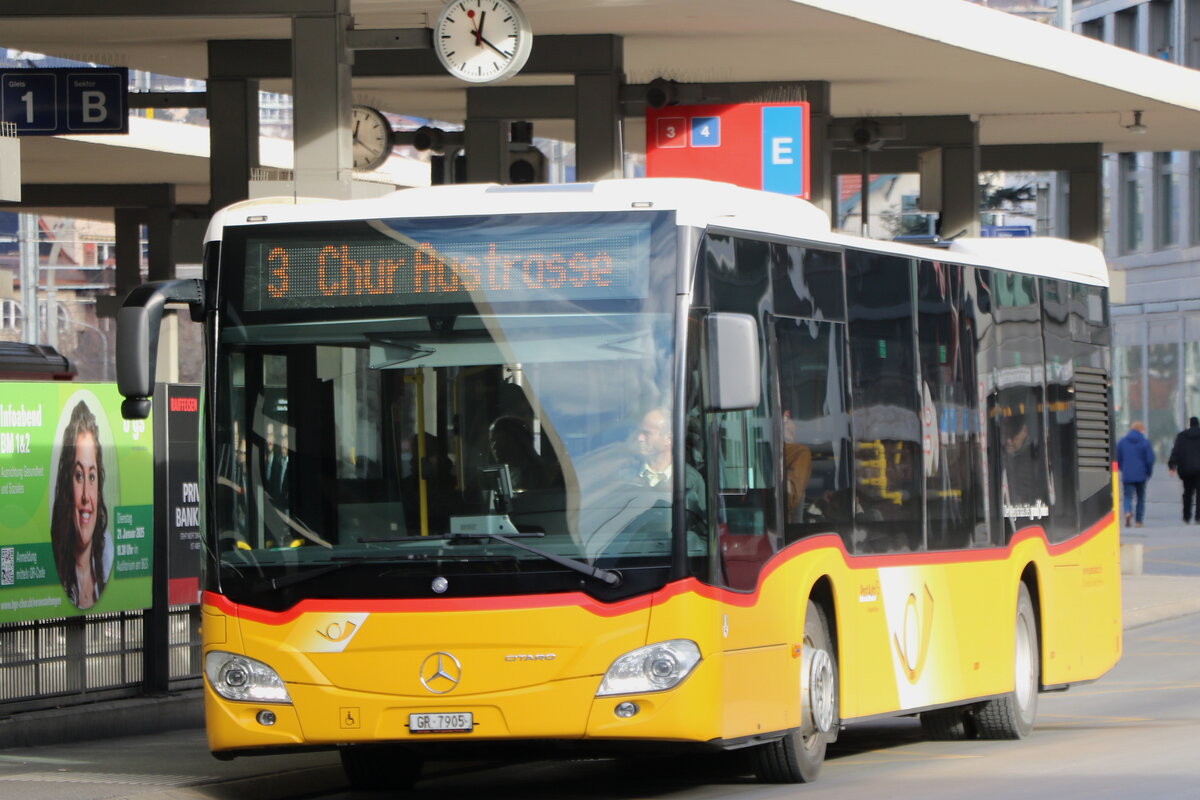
1185	459
1135	460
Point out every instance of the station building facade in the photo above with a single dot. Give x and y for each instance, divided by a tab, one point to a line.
1152	240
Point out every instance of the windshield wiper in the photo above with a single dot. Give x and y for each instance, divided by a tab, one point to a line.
608	576
337	563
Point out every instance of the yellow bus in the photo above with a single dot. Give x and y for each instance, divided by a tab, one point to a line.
637	466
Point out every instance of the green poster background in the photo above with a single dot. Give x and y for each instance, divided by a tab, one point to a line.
33	420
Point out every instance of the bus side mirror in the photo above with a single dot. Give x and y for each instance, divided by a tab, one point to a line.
735	383
138	322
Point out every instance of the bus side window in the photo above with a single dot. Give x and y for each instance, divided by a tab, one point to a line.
889	494
816	428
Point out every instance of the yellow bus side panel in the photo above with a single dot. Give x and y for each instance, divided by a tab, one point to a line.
911	632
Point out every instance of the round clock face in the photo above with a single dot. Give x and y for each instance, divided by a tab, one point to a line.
372	138
482	41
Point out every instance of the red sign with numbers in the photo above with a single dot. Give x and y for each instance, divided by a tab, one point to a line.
757	145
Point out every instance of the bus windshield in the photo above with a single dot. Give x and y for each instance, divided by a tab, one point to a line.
369	448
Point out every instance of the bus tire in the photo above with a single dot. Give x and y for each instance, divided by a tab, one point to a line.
1012	716
797	757
380	768
948	724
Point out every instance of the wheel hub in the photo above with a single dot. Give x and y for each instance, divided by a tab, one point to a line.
818	692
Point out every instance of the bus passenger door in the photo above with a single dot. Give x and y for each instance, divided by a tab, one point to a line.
747	530
756	657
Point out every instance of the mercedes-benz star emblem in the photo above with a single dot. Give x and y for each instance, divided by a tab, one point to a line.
440	672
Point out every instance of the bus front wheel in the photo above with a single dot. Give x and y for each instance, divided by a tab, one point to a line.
797	757
1012	716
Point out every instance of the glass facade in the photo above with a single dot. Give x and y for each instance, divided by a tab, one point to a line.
1152	212
1156	375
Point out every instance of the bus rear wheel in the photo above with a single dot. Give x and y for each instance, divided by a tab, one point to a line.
380	768
948	724
1012	716
797	757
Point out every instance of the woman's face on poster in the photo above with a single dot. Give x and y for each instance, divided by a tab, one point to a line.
85	482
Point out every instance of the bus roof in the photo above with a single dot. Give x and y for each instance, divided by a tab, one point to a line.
703	204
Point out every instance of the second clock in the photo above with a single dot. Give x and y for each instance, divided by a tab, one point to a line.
372	138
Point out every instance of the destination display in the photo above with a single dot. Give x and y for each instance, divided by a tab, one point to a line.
385	267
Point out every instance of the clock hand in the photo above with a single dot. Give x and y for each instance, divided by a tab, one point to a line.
497	49
478	31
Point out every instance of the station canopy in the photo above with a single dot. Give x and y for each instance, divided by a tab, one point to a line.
1026	82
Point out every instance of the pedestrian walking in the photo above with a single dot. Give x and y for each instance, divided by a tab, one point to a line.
1185	459
1135	460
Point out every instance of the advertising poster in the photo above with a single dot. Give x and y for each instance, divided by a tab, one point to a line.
76	502
178	432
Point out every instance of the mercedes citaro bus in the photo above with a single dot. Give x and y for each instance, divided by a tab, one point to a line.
604	468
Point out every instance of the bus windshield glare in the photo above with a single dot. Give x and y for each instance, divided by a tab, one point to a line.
400	401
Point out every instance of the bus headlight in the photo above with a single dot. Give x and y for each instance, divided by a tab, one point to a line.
237	677
653	668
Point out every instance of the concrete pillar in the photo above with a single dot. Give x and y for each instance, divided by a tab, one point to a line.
960	190
820	146
599	150
30	266
128	249
160	243
233	138
321	64
1085	199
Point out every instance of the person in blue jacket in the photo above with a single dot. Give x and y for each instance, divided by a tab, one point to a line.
1135	460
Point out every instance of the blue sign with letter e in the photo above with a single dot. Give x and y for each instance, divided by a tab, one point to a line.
783	149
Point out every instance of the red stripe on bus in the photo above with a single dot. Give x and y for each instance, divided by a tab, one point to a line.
671	590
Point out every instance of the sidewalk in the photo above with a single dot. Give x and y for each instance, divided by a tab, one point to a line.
1169	583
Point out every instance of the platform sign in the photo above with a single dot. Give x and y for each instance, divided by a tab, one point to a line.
757	145
48	102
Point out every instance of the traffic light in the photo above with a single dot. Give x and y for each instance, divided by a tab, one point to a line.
526	164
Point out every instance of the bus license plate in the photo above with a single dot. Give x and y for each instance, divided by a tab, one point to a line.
458	722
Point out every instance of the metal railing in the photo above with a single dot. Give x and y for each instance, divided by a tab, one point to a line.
56	662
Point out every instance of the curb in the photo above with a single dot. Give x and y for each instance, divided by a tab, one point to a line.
1159	598
135	716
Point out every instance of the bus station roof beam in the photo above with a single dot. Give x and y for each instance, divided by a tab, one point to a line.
19	9
272	58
